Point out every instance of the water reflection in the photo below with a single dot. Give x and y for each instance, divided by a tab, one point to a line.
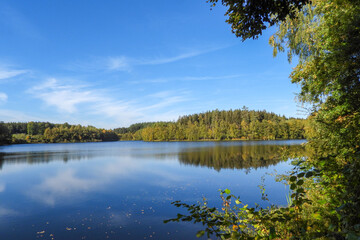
74	183
238	157
124	188
40	157
223	156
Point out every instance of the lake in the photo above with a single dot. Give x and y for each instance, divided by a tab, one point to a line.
124	190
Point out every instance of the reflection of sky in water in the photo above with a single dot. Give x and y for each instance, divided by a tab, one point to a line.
123	189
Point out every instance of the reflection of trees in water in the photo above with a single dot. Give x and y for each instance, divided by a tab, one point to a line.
238	157
217	157
41	157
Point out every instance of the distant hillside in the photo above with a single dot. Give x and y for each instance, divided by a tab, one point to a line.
220	125
45	132
240	124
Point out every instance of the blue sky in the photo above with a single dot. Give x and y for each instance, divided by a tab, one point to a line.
113	63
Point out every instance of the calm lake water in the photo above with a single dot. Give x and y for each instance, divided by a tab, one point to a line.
124	190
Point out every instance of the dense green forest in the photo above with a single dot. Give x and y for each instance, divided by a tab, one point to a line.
221	125
239	124
45	132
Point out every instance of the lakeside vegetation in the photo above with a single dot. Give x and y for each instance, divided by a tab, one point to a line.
239	124
45	132
324	197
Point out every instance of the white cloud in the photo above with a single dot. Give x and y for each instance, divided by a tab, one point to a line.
64	97
167	98
81	102
165	60
148	108
6	73
187	78
118	64
123	63
3	97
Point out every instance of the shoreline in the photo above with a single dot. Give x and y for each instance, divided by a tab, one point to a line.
201	140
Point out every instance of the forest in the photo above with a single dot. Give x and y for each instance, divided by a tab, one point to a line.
240	124
45	132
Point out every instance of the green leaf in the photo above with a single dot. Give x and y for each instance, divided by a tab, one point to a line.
293	178
309	174
237	201
227	191
200	233
316	216
300	182
301	174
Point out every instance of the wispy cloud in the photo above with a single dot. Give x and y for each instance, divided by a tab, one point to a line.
187	78
166	98
96	64
3	97
164	60
6	73
124	63
85	102
118	64
64	97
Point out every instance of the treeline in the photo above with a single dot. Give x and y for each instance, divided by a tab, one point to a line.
238	124
5	135
128	133
45	132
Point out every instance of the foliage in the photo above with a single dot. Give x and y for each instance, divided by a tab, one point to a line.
222	125
5	135
325	196
236	220
328	72
249	18
211	125
45	132
133	128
